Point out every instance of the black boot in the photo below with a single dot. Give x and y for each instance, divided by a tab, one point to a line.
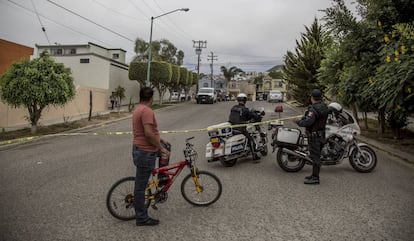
314	178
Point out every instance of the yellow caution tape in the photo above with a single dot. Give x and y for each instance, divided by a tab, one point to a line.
30	138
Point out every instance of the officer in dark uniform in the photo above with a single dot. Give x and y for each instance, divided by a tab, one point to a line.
240	114
315	122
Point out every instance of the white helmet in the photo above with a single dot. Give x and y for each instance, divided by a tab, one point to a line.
335	107
242	97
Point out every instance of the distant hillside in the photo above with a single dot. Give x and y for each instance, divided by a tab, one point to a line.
275	68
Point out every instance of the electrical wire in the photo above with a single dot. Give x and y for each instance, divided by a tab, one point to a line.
51	20
41	25
117	12
93	22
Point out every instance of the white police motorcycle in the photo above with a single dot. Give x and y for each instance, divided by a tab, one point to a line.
341	130
227	144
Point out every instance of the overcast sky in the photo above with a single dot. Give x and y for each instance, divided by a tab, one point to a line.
251	34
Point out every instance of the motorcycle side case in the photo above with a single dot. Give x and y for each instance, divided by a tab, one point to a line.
221	129
234	144
288	136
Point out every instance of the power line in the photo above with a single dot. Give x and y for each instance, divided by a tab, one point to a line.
117	12
97	24
43	28
51	20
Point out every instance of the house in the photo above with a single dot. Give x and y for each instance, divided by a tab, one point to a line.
95	67
96	71
271	84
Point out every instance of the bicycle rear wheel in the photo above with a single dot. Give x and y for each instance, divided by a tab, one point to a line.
120	199
210	192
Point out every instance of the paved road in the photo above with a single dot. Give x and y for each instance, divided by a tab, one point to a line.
55	188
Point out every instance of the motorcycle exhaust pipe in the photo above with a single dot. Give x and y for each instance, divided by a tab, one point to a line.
297	154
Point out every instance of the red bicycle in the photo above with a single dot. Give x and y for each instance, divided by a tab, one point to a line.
200	188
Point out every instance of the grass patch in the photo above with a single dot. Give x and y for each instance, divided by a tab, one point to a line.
405	144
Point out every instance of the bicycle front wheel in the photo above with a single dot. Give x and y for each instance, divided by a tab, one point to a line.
208	192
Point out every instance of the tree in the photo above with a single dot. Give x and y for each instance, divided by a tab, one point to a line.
175	79
183	77
140	49
162	50
230	73
119	94
301	67
276	74
36	84
160	78
138	71
368	58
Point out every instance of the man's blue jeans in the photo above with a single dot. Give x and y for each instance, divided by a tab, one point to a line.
145	163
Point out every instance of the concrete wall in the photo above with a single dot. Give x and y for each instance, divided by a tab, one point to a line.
119	77
16	118
94	74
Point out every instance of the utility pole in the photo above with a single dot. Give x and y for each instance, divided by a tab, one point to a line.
198	45
211	58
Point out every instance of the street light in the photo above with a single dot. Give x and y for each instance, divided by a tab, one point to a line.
147	83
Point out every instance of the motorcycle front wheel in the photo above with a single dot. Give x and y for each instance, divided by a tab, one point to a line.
289	163
363	161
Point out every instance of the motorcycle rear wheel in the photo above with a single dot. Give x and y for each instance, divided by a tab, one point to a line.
365	161
285	160
228	163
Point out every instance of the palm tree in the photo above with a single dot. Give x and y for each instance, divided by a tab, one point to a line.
230	73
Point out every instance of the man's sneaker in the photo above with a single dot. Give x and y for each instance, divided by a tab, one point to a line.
312	180
148	222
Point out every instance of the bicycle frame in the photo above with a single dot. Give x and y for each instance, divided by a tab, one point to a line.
172	171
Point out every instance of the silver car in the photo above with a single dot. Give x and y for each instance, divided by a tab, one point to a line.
275	96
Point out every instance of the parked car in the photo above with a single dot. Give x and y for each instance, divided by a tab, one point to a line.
175	96
275	96
206	95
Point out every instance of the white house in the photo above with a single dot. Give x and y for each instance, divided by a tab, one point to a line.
96	67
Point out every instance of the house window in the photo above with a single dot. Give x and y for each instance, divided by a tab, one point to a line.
56	51
115	56
84	61
70	51
205	84
278	84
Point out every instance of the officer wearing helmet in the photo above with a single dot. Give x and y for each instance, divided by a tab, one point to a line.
240	114
315	122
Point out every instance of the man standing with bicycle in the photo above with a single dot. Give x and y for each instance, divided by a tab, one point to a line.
146	148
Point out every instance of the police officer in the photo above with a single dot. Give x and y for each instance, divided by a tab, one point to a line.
315	122
240	114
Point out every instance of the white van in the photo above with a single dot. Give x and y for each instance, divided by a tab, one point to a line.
206	95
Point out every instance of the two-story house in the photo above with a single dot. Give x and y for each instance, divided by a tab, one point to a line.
96	67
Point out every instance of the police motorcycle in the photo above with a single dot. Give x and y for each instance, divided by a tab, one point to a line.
227	144
340	143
